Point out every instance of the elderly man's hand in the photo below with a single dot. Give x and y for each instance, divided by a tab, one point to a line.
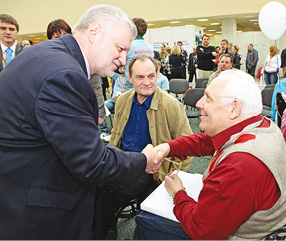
152	163
173	183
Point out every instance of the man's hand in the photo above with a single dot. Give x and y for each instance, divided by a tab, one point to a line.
100	120
214	54
152	163
162	151
173	183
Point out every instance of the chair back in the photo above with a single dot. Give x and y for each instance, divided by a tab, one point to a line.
199	82
178	86
267	96
204	84
193	95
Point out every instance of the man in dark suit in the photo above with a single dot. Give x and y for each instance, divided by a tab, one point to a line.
9	47
51	156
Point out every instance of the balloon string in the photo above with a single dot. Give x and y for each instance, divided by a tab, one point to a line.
278	75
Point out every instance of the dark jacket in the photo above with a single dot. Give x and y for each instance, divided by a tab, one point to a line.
19	49
51	155
204	57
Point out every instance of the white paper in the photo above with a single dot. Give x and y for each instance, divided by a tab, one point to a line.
159	201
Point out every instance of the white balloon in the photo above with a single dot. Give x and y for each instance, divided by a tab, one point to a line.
272	20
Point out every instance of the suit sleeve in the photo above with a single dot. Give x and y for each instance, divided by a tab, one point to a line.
66	111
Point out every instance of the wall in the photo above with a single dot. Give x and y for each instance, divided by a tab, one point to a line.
34	15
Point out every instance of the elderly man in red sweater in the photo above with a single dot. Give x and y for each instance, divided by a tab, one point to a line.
244	187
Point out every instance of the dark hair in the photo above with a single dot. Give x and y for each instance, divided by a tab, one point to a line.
56	26
179	42
30	41
141	58
251	45
224	40
5	18
205	35
141	26
227	56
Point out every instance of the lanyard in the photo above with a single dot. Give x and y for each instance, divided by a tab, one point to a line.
4	59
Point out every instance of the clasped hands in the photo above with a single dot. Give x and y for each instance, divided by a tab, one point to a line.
155	157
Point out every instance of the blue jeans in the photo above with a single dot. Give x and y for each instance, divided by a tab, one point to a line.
153	227
110	106
270	78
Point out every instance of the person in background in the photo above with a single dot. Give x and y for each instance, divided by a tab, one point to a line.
9	48
225	63
177	61
143	115
279	88
244	187
224	47
58	28
216	60
52	157
27	42
236	57
283	60
166	66
251	60
186	58
192	65
162	53
162	81
205	56
272	65
138	47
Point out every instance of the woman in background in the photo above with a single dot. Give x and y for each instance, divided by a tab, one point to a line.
272	65
177	60
58	28
236	57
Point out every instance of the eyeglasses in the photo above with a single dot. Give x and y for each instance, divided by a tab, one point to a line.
176	163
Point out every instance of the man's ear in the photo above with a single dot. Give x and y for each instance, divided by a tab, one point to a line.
92	31
130	79
235	109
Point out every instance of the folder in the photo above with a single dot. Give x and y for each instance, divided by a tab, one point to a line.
160	202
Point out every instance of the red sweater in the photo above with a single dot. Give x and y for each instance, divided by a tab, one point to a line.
236	188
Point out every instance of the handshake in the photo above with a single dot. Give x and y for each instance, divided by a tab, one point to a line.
155	156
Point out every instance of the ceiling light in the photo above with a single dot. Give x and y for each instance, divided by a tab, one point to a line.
203	20
253	20
218	32
256	23
175	22
210	34
214	23
239	31
150	24
211	30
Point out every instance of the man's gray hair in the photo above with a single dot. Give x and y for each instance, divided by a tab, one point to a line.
241	86
104	13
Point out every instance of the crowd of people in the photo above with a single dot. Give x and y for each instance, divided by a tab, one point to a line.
59	180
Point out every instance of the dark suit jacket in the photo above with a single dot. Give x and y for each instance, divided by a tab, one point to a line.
51	156
19	48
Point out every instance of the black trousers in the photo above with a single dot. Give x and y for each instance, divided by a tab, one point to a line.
110	200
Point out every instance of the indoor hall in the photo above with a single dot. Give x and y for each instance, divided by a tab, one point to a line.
168	22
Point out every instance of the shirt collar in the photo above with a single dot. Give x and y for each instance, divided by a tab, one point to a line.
224	136
147	102
4	47
139	37
86	62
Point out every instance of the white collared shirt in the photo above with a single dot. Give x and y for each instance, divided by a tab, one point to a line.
13	47
86	62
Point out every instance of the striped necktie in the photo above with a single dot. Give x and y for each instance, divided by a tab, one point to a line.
8	55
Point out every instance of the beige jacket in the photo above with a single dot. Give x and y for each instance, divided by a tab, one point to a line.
167	120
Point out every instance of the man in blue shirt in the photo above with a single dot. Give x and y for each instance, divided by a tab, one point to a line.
144	115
